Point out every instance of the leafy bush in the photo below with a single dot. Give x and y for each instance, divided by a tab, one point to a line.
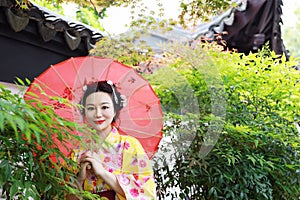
29	156
255	153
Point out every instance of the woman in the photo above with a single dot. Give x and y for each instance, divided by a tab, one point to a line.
119	168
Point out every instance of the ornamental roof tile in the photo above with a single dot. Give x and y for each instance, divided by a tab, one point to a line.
49	25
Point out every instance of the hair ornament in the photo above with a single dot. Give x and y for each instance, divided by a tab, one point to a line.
109	82
123	101
84	88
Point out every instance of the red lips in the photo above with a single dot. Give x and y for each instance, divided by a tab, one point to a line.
99	121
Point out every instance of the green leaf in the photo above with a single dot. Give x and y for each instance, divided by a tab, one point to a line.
1	122
28	135
212	191
49	186
4	163
256	143
27	81
10	121
36	132
19	81
16	186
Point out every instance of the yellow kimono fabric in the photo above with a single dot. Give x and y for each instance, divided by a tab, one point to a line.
125	157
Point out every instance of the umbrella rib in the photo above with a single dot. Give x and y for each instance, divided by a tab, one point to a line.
47	103
142	132
108	69
93	69
142	118
46	86
77	73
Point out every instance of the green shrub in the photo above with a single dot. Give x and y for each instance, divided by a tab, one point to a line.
255	153
27	168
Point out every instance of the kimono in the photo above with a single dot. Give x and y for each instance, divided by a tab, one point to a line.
125	157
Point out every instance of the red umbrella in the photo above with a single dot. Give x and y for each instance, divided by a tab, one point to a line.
142	117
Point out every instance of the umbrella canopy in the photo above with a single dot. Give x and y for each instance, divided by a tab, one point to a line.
141	118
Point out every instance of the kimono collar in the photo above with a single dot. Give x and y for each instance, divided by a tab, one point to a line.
113	136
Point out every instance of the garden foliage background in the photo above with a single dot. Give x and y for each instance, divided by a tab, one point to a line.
256	153
229	133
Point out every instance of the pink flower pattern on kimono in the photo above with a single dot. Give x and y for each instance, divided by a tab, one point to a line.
106	159
134	162
143	163
118	147
146	178
134	192
126	145
124	180
119	163
138	183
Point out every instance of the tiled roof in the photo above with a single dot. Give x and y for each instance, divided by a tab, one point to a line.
32	40
248	26
48	25
215	25
205	29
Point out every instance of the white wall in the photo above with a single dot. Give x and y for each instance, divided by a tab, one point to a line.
15	89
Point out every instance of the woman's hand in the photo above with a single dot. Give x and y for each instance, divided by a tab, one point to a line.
92	159
90	162
84	172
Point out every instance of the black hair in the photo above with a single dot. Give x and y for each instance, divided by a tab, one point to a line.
103	86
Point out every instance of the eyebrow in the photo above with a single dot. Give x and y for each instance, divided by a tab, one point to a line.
90	104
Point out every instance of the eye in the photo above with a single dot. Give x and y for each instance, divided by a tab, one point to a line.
90	108
105	107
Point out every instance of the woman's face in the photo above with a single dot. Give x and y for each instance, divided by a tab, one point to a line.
99	112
